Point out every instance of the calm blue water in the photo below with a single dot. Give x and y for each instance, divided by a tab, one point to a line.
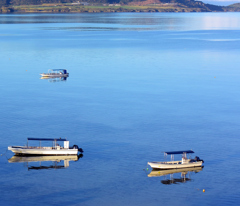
139	84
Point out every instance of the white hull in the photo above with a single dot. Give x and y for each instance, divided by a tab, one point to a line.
174	165
54	75
18	150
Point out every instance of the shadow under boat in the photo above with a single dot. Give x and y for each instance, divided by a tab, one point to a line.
185	175
55	79
45	162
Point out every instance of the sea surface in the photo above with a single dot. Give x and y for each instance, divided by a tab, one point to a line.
139	84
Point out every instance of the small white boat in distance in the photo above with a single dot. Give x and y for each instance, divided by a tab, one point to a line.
55	149
184	163
55	73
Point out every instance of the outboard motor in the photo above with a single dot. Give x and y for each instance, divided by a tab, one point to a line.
79	149
198	159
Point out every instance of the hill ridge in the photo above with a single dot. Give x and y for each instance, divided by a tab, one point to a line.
56	6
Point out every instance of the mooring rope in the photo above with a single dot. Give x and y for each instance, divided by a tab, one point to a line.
5	154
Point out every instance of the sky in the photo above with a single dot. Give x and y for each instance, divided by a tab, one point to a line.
221	2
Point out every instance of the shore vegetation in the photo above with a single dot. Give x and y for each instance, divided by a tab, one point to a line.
143	6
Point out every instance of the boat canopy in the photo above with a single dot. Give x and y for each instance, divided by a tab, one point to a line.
45	139
64	71
179	152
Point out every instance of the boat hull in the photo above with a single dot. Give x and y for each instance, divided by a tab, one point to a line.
173	165
18	150
54	75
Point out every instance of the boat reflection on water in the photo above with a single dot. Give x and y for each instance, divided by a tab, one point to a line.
45	162
55	79
184	177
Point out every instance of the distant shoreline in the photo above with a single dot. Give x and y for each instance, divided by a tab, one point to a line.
75	8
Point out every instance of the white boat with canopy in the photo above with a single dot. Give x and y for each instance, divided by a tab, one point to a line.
55	73
183	163
54	149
